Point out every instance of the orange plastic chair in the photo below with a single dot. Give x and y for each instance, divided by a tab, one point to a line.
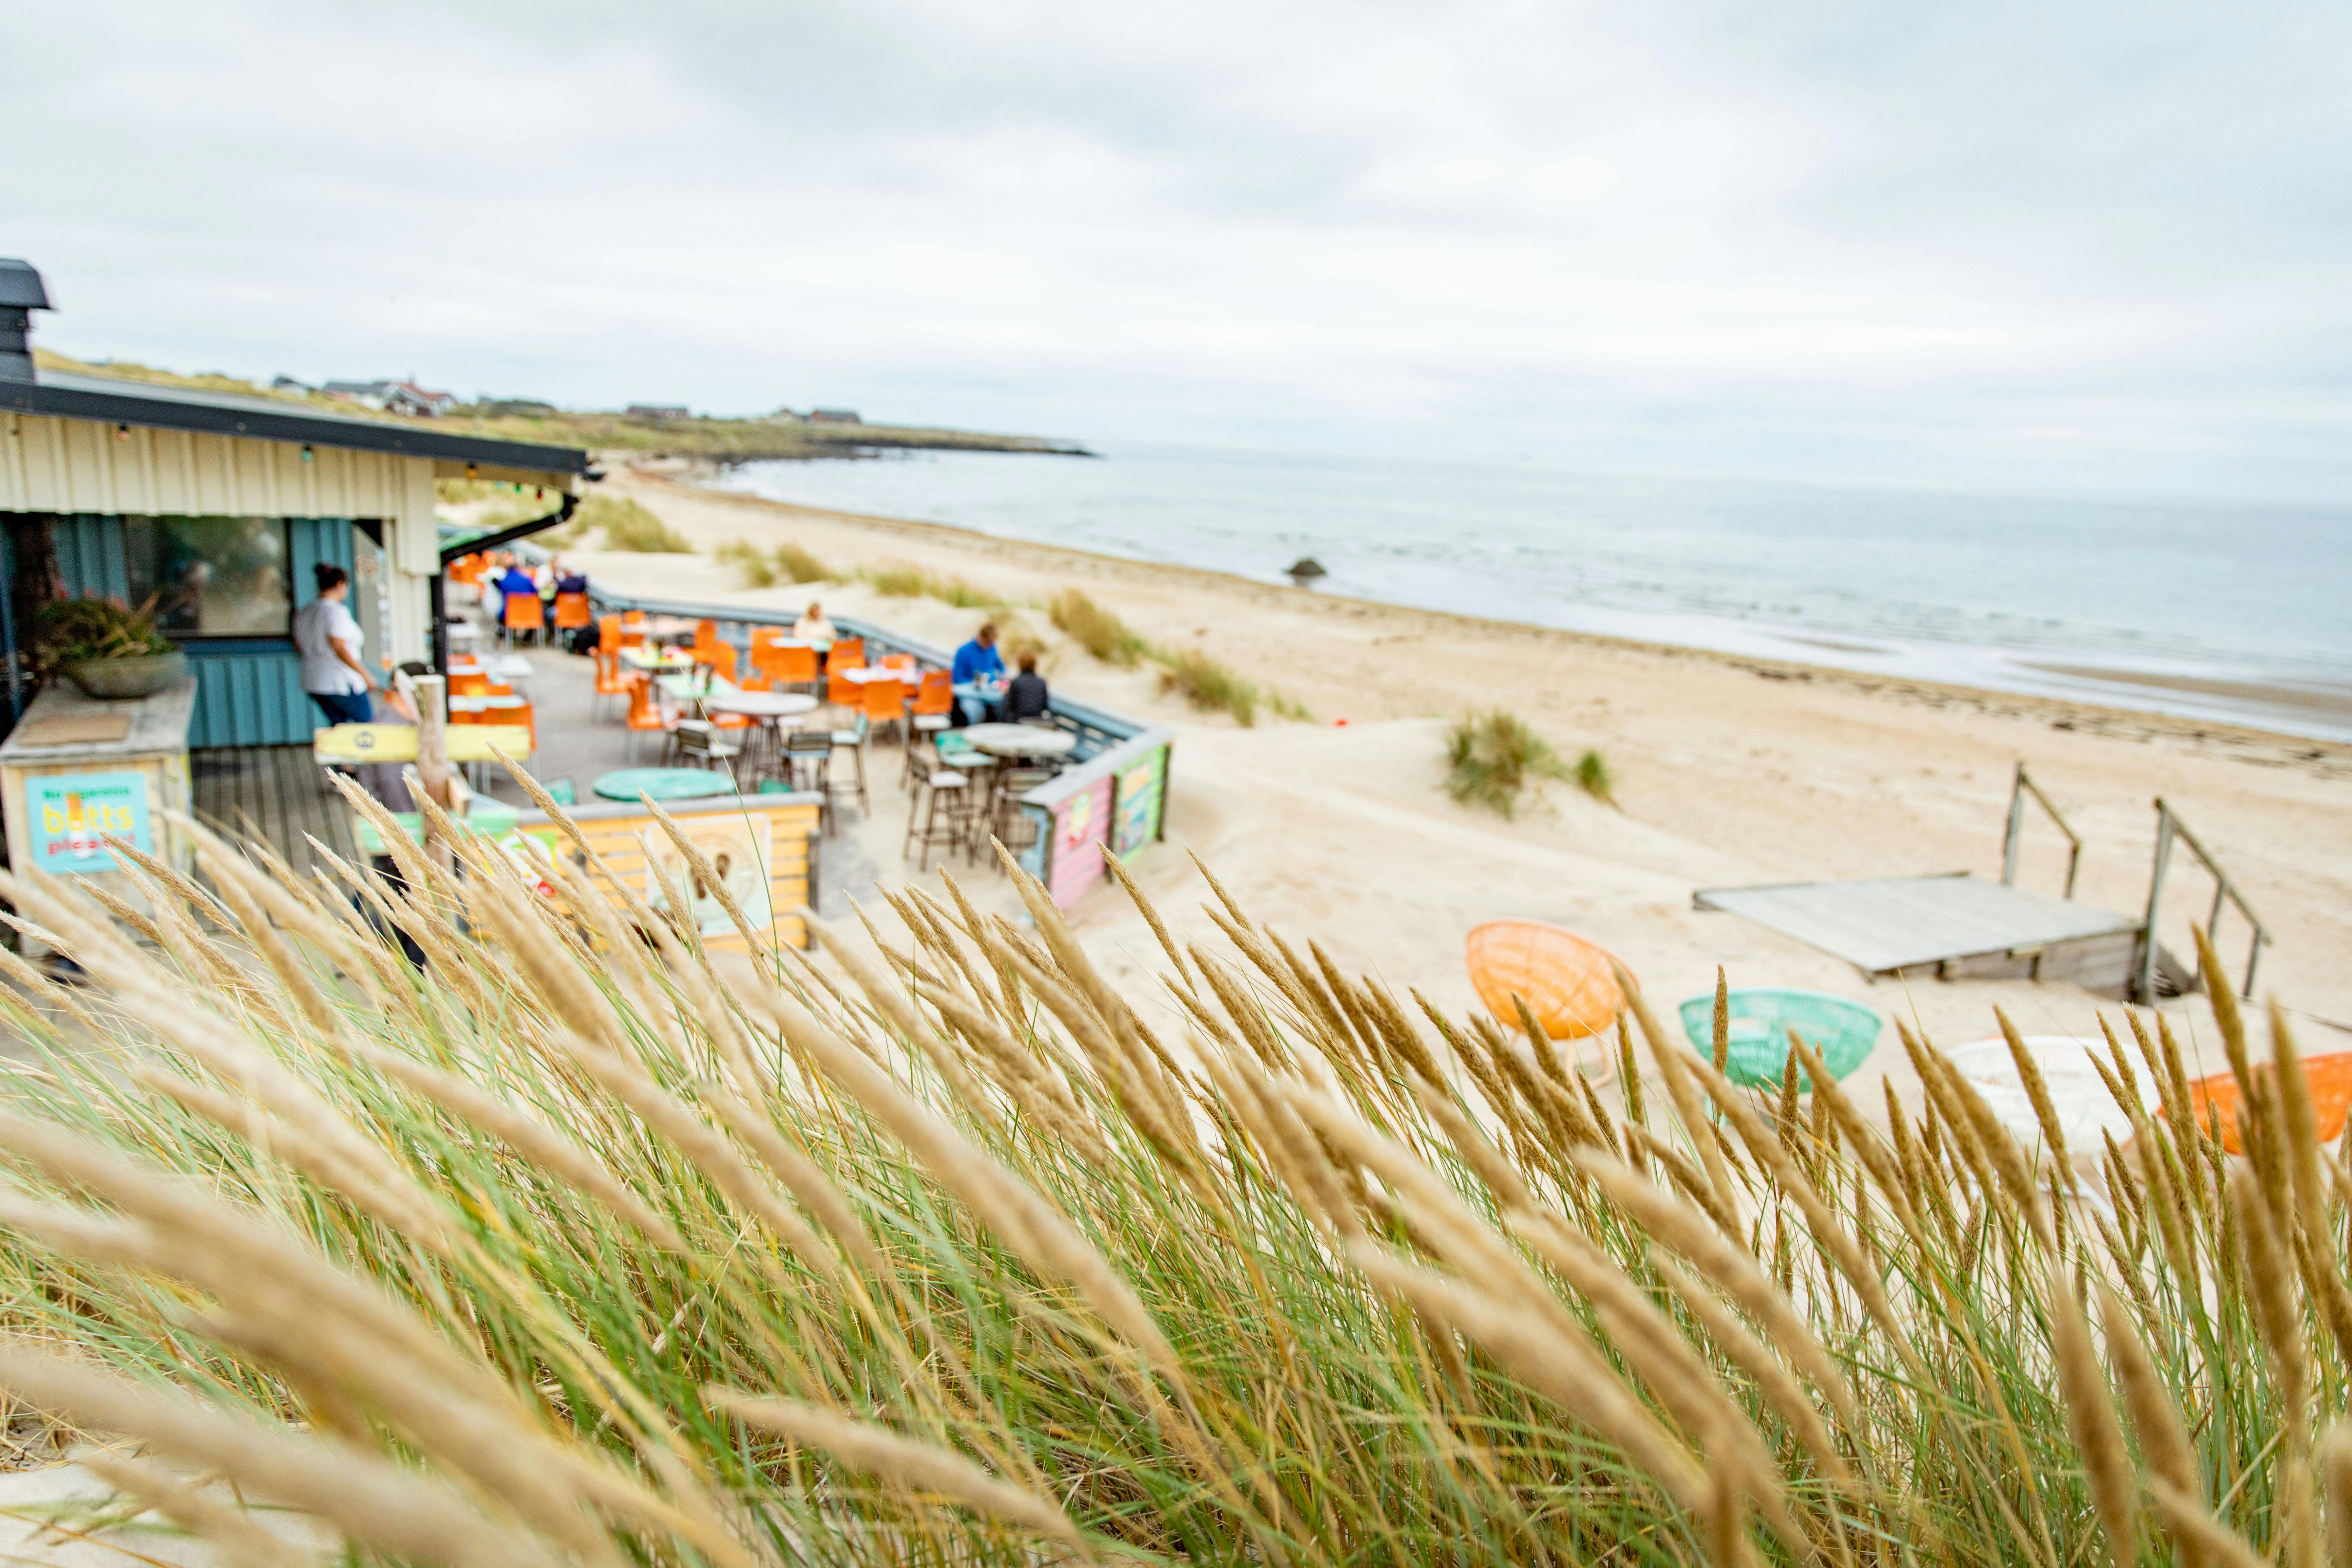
847	654
611	680
633	628
842	691
646	715
571	612
469	685
885	702
705	635
785	666
1564	979
719	656
524	614
2329	1078
937	695
898	661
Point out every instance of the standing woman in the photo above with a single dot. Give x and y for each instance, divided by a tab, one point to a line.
329	638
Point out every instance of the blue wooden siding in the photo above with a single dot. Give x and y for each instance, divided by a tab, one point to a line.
248	689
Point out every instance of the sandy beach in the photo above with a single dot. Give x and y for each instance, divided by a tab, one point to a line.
1731	771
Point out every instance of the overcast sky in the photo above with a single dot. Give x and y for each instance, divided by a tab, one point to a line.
2007	244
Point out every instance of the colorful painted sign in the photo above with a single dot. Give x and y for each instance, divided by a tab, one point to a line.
736	846
1081	823
70	815
1136	816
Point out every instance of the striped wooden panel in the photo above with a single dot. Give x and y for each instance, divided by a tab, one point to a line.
1081	826
784	834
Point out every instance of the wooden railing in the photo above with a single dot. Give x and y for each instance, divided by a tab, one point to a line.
2168	828
2010	841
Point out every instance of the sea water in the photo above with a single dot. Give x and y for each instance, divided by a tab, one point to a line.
2235	613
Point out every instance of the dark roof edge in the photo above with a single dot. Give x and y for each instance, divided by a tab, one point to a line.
165	413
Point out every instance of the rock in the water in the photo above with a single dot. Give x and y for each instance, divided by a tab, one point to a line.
1307	566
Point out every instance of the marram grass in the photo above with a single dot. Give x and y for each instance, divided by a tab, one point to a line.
583	1245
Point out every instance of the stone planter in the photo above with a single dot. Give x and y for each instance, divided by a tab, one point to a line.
129	678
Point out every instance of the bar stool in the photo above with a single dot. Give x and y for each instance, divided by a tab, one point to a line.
812	750
923	824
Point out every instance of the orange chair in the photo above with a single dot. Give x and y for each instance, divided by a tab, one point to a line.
847	654
571	612
705	635
633	628
1565	980
934	702
885	702
842	691
720	658
470	684
611	680
905	661
524	614
2329	1079
645	716
785	666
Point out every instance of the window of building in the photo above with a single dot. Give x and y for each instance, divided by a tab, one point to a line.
212	576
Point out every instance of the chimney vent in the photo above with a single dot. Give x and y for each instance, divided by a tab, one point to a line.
20	294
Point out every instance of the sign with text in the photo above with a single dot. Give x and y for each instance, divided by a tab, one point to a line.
70	815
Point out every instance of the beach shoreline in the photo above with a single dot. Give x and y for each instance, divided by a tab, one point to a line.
2268	747
1730	771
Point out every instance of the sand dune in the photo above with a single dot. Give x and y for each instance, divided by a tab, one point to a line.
1732	770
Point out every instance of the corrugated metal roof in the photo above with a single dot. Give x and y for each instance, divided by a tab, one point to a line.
224	413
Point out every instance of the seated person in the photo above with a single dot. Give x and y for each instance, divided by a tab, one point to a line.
1025	698
813	627
976	660
570	579
515	580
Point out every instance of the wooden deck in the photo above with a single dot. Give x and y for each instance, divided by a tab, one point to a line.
1953	928
276	793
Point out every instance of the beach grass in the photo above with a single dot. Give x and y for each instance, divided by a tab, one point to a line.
589	1243
754	567
1493	757
905	580
1595	777
795	563
1096	629
1209	685
628	524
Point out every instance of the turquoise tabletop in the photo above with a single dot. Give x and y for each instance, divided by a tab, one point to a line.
662	783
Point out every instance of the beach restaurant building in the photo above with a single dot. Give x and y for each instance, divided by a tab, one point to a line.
221	506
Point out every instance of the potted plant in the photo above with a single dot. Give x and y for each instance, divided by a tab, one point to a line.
106	647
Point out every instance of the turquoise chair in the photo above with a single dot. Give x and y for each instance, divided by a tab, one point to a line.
1842	1032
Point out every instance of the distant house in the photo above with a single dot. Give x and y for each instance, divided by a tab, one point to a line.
786	416
394	396
659	411
834	417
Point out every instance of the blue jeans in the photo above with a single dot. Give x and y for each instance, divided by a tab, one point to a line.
346	707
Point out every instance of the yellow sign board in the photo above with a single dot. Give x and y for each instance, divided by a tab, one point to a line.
355	743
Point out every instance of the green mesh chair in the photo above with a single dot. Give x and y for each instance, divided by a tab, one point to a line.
1842	1032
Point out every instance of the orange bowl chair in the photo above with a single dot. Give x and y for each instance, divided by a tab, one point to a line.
785	666
633	628
1565	980
2329	1076
849	653
571	612
842	691
524	614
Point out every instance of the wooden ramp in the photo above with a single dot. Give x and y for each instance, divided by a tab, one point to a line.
1952	928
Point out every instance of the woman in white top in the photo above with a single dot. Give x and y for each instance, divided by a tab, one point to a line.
333	673
813	627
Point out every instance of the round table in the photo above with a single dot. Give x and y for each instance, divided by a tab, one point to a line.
880	672
761	704
1019	741
662	783
664	628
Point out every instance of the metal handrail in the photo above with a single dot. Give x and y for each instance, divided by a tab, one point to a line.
2010	843
2169	827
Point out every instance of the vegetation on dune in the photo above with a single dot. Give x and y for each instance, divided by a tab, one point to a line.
1595	777
1097	630
754	566
588	1245
1493	757
1208	685
794	564
905	580
627	523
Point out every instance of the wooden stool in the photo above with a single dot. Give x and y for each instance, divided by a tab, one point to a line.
924	809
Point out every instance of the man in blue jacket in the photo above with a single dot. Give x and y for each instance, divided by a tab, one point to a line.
976	660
